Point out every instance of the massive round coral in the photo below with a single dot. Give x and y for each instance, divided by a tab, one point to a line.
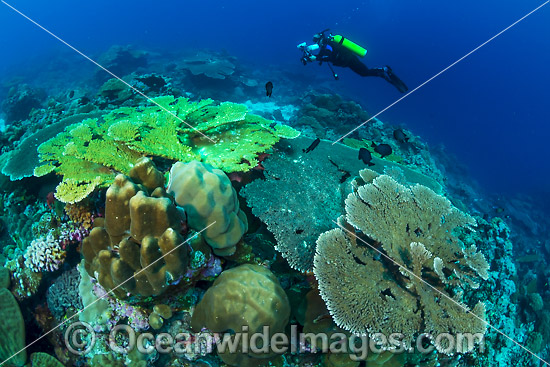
243	300
210	202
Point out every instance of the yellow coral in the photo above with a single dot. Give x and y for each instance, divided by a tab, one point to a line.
412	225
72	191
246	296
223	135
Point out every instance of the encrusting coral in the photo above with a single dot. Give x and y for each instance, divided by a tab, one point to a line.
246	298
40	359
140	227
90	153
209	64
12	329
415	230
210	202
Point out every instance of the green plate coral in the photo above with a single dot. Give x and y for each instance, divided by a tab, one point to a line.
88	154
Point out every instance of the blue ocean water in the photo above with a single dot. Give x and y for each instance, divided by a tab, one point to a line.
490	110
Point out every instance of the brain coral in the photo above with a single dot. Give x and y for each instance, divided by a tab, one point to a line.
369	293
245	296
209	199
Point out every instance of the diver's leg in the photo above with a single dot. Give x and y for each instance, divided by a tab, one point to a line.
391	78
359	68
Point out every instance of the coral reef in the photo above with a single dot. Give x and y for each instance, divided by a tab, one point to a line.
121	60
88	154
210	202
63	296
115	91
44	254
12	329
209	64
22	161
416	230
143	227
21	100
249	297
360	278
304	192
44	360
328	115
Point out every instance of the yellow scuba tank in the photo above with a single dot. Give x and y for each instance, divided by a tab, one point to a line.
352	46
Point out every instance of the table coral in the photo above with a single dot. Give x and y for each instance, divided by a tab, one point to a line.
302	193
416	229
88	154
209	64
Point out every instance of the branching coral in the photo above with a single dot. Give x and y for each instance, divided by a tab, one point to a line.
90	153
44	254
369	293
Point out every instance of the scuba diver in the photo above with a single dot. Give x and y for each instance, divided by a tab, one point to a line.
342	52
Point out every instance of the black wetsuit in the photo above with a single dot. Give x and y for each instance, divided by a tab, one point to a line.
338	55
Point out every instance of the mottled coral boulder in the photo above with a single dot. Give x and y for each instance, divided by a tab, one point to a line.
209	201
247	296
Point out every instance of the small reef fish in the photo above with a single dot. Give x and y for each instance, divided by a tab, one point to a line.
268	89
400	136
84	100
383	149
365	156
71	94
312	146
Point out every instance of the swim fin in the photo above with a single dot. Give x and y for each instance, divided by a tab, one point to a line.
394	80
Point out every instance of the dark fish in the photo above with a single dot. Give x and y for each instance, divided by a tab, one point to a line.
400	136
312	146
71	94
268	89
498	209
84	100
383	149
365	156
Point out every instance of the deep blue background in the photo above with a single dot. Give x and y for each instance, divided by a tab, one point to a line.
490	110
